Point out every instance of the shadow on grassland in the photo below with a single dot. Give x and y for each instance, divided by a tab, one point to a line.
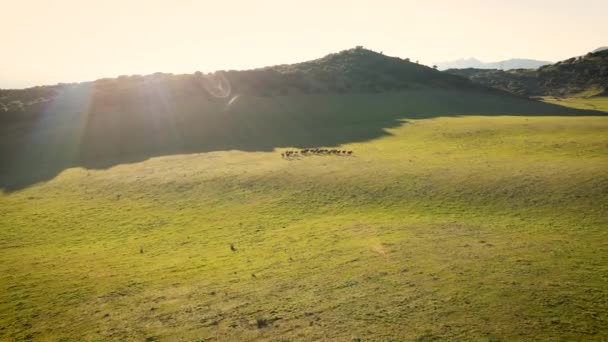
82	130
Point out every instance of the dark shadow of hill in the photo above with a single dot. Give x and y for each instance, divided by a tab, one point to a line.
80	130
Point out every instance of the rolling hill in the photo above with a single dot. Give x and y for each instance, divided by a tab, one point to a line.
356	70
345	97
160	208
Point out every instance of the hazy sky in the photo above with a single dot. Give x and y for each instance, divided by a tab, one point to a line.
50	41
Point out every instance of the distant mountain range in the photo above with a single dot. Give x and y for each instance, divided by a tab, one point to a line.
600	49
582	74
514	63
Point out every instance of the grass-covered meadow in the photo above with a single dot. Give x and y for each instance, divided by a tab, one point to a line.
467	227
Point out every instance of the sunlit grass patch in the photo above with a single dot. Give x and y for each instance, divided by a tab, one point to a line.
453	228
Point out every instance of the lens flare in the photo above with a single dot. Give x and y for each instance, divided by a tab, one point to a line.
216	84
232	100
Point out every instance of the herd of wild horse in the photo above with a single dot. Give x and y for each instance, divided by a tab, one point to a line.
315	151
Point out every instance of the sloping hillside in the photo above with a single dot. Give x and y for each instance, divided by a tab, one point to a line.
572	76
161	207
346	97
452	228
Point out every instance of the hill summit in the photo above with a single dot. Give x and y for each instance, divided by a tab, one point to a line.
361	69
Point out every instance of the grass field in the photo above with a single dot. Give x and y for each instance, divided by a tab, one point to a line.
467	228
592	99
597	103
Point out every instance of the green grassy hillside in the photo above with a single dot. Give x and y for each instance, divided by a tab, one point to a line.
343	97
79	131
584	101
462	227
159	208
